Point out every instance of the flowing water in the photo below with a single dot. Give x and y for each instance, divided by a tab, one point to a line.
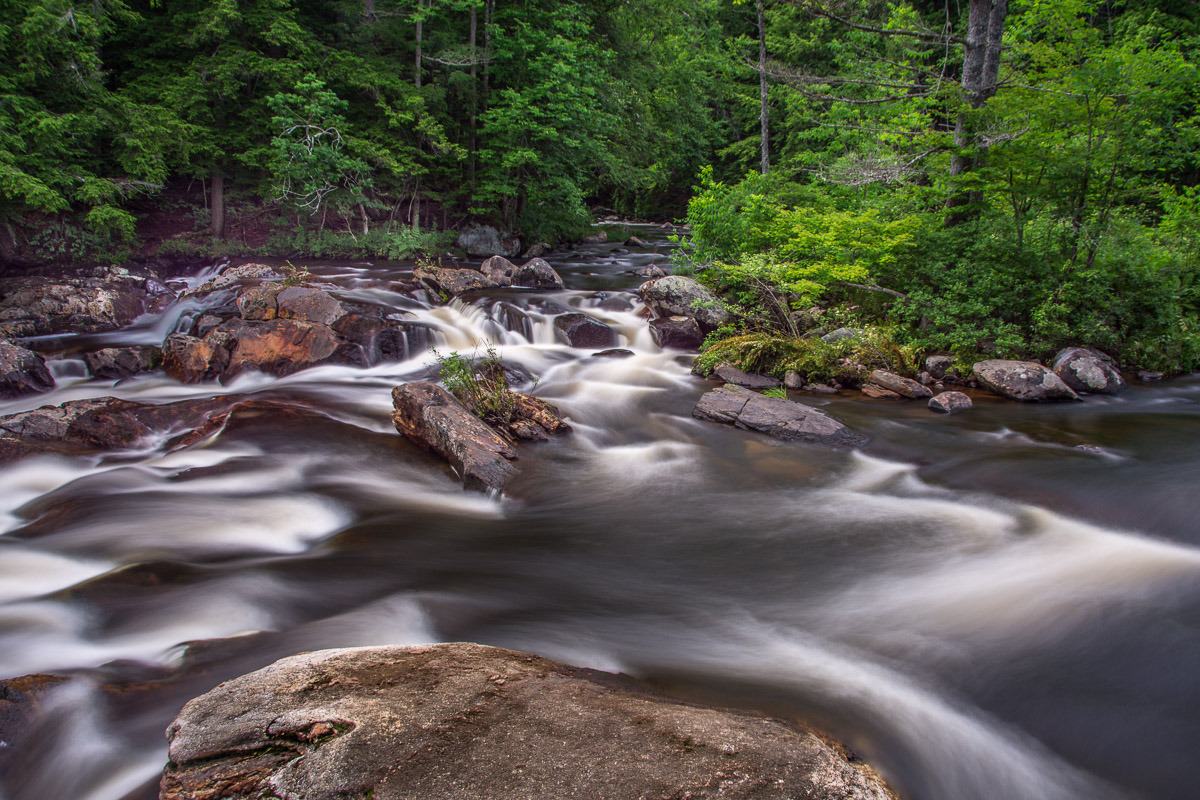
977	606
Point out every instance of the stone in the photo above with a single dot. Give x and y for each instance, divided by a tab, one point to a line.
280	347
731	374
447	283
793	380
99	299
597	237
1026	381
309	305
1149	376
241	274
634	241
820	388
924	378
677	295
877	392
22	371
938	366
499	269
580	330
842	335
118	363
537	250
435	420
676	333
774	416
191	360
651	271
950	402
616	352
463	721
1089	371
905	387
537	274
259	302
533	419
481	241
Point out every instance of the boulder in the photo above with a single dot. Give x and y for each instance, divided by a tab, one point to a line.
596	237
634	241
676	333
499	269
22	371
652	271
537	274
435	420
842	335
580	330
458	721
938	366
101	299
820	388
783	419
793	380
309	305
877	392
280	347
191	360
1026	381
902	386
731	374
240	275
1150	376
1089	371
537	250
447	283
117	363
533	419
259	302
481	241
949	402
676	295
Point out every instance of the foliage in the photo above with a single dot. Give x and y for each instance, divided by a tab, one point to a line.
777	392
813	357
480	383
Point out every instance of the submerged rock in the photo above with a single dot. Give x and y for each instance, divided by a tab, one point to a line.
678	333
117	363
22	371
1086	370
457	721
537	274
950	402
580	330
676	295
900	385
1026	381
783	419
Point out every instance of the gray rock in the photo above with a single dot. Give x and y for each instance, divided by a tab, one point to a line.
676	333
634	241
877	392
938	366
537	250
783	419
22	371
842	334
1026	381
1086	370
821	388
902	386
652	271
435	419
731	374
580	330
676	295
616	352
463	721
481	241
117	363
102	299
499	269
446	283
241	274
258	302
1150	376
949	402
598	237
793	380
309	305
537	274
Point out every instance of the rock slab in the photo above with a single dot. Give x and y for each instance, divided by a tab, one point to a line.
1026	381
774	416
905	387
463	721
748	380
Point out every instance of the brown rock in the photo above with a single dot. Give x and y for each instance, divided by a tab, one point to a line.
950	402
259	302
499	269
900	385
537	274
191	360
447	283
281	347
117	363
22	371
309	305
877	392
783	419
462	721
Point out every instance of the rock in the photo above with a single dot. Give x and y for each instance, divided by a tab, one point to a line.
533	419
280	347
616	352
458	721
820	388
924	378
101	299
877	392
22	371
259	302
731	374
783	419
499	269
1086	370
234	276
447	283
614	303
598	237
434	419
309	305
902	386
949	402
537	274
938	366
651	271
842	335
191	360
580	330
481	241
1026	381
793	380
677	333
676	295
117	363
634	241
537	250
205	324
1150	376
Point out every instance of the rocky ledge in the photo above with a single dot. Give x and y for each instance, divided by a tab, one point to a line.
774	416
459	721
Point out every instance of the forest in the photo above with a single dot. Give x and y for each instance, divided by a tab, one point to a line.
975	177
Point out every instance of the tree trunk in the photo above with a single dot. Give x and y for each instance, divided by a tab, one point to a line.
489	11
420	32
472	145
763	117
218	204
369	11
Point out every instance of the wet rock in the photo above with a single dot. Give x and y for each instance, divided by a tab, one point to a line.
309	305
616	352
938	366
205	324
452	721
22	371
537	274
1026	381
446	283
1089	371
793	380
191	360
677	333
614	303
259	302
877	392
783	419
820	388
580	330
902	386
731	374
242	274
950	402
280	347
598	237
117	363
101	299
435	420
499	269
842	335
533	419
651	271
676	295
537	250
481	241
634	241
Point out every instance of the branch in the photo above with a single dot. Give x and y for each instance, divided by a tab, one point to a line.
925	36
873	287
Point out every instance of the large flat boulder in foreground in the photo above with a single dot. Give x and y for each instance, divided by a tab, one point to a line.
774	416
463	721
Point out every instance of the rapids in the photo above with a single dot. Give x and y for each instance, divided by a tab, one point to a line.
975	605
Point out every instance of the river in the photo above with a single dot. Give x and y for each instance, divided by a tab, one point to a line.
976	605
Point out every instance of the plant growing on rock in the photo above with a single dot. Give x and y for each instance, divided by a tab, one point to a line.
480	383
